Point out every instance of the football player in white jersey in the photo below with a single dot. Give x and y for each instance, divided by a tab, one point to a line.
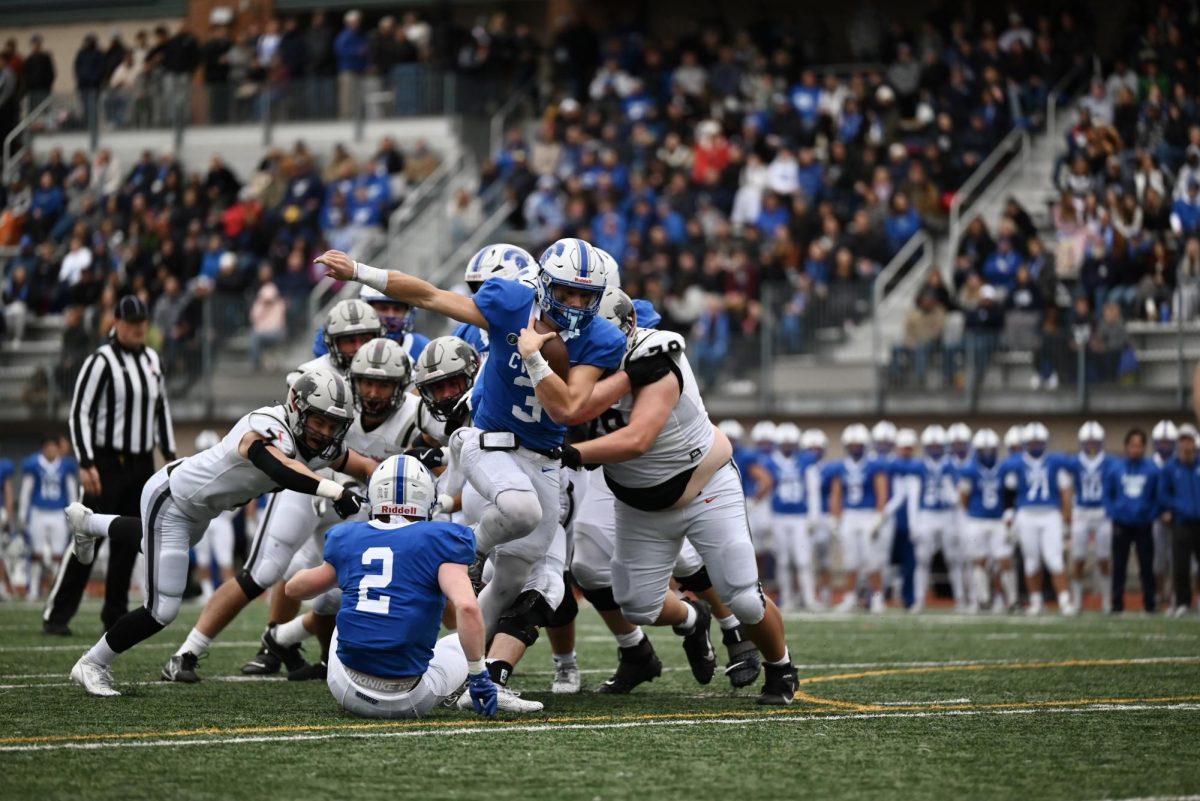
671	473
275	446
444	377
1164	437
1089	518
216	546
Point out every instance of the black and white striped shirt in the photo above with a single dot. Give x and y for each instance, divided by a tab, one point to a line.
120	404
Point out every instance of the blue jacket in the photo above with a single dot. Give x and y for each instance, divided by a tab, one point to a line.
1131	492
1179	489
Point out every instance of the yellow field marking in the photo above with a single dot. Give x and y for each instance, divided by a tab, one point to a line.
848	706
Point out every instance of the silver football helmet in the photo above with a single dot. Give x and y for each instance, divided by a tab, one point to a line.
384	360
319	393
350	318
444	375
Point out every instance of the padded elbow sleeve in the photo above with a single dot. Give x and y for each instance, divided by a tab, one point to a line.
278	472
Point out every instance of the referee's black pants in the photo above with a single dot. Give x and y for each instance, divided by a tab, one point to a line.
121	482
1142	538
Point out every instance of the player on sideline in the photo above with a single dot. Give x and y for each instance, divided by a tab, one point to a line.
858	498
1164	436
275	446
395	573
47	486
671	473
985	535
789	467
1089	519
933	503
512	455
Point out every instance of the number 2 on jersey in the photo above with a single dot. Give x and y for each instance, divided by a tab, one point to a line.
366	603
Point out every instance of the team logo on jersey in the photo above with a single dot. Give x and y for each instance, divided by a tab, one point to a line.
512	339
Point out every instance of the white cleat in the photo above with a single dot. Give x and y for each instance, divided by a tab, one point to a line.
84	543
566	680
849	603
507	700
878	607
97	679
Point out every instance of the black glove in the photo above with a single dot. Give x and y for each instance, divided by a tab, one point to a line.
432	458
648	370
348	504
570	457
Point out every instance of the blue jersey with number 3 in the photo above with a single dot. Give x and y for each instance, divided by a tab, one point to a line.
391	600
858	481
505	400
985	499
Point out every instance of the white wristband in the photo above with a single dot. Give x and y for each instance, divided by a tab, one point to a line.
328	488
538	368
475	666
373	277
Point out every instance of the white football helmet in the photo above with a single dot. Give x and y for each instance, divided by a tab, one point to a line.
763	433
319	392
497	261
958	432
787	434
444	374
883	431
395	326
906	438
617	308
570	264
814	439
733	430
350	317
612	270
856	434
1164	431
1014	438
1091	431
985	439
381	359
933	436
206	439
1035	432
402	486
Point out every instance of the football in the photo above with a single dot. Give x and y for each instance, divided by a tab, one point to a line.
555	350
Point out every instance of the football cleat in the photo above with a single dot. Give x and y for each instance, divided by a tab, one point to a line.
181	668
779	689
315	671
56	629
744	660
636	665
566	680
264	663
697	644
84	544
507	701
289	655
97	679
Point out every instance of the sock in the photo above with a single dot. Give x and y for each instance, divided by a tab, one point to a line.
631	639
97	524
1008	582
981	584
564	660
195	643
785	661
1035	600
728	623
689	622
291	632
206	588
500	671
101	653
1064	600
1077	591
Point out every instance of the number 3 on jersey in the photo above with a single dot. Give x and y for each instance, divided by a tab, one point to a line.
534	415
366	603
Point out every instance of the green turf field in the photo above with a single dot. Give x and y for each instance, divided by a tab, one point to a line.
890	708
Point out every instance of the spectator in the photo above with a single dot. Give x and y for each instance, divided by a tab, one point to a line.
1109	344
1185	212
983	326
321	66
214	56
123	87
420	162
923	328
39	73
180	58
1052	359
902	223
295	285
77	345
1187	273
89	77
1131	500
350	50
711	336
268	317
78	259
1000	269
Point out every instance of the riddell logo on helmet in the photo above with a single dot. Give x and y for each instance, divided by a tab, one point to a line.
392	509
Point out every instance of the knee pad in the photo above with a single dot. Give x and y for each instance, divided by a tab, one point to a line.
522	620
169	585
248	585
749	605
328	603
520	512
567	611
602	599
696	583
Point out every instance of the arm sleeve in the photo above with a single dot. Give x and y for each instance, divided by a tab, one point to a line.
92	376
278	472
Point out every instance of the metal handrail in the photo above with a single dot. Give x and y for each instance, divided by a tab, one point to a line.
443	274
1018	138
9	161
921	240
1052	102
414	202
500	116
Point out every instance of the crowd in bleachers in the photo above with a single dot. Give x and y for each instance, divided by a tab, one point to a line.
87	231
1125	238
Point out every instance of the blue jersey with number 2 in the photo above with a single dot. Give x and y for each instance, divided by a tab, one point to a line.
391	600
506	400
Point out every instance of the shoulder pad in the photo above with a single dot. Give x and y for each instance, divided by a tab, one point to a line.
654	343
269	422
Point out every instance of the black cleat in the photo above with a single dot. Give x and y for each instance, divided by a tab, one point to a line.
264	663
56	629
475	572
744	659
636	665
316	671
289	655
779	689
181	668
697	644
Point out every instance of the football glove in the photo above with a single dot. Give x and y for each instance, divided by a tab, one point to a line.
571	457
433	458
348	504
483	693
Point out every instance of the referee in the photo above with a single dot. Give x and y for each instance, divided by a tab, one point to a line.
118	416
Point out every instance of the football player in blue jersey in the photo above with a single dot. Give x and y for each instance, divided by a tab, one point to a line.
394	574
789	466
398	320
1164	436
7	525
858	497
1038	485
820	522
493	261
883	446
987	538
47	486
512	455
932	504
904	471
1089	520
